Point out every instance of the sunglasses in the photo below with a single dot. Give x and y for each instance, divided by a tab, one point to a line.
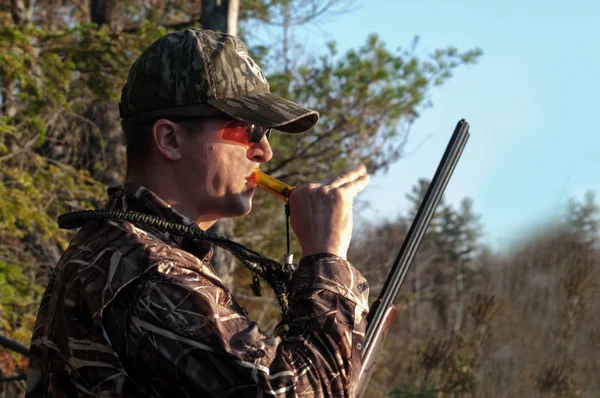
254	132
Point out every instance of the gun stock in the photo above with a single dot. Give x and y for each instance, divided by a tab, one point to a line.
372	353
382	311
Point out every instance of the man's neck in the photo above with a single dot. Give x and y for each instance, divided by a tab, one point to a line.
170	193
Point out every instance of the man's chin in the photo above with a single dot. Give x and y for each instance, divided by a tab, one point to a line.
241	207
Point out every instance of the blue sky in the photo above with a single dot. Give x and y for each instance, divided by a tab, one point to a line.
531	100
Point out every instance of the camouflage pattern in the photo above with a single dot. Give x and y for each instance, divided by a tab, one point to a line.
137	312
185	69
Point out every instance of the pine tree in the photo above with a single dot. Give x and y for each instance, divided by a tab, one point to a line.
583	218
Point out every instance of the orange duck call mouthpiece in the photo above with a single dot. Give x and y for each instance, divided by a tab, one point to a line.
273	185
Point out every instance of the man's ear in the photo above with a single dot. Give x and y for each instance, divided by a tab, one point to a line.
167	139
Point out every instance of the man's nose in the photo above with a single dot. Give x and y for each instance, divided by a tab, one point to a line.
260	151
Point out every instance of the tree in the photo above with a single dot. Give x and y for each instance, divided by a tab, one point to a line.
220	15
440	355
458	241
583	218
51	72
453	237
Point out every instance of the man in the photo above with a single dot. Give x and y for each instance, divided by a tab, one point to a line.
135	311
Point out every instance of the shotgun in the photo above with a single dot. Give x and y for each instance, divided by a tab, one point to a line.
382	311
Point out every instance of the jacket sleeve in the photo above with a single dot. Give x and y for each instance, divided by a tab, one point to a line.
186	337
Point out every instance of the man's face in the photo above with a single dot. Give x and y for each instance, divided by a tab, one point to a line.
216	159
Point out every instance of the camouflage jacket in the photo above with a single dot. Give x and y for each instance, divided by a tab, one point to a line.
132	312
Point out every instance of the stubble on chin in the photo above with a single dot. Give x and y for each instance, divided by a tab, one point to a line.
246	203
238	205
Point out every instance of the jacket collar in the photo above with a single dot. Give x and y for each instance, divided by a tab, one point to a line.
137	198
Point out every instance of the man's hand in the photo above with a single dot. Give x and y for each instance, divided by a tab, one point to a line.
321	212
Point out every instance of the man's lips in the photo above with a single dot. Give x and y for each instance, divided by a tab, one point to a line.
251	178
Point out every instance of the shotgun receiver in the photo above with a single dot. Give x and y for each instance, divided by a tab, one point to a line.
383	309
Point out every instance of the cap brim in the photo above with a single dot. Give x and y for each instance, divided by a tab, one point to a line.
268	110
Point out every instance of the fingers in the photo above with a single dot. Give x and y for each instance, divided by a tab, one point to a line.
348	177
350	183
356	186
321	212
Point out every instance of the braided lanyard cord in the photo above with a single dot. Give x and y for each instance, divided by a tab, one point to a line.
287	226
271	271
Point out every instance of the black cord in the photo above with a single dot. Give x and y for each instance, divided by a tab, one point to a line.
271	271
13	378
287	226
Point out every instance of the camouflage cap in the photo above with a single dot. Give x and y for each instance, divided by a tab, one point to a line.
191	72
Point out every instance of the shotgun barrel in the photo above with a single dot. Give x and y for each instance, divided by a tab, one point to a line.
381	312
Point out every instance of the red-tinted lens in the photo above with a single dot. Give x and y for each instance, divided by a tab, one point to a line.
245	133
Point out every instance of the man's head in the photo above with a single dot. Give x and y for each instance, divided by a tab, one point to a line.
191	102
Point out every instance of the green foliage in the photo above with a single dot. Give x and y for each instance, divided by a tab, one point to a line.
459	231
455	232
365	98
49	80
15	292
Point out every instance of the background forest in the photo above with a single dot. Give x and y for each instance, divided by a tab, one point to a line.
471	322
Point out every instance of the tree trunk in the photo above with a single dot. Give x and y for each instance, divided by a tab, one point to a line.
233	16
458	314
222	15
107	12
103	113
21	11
9	102
286	38
108	135
223	262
